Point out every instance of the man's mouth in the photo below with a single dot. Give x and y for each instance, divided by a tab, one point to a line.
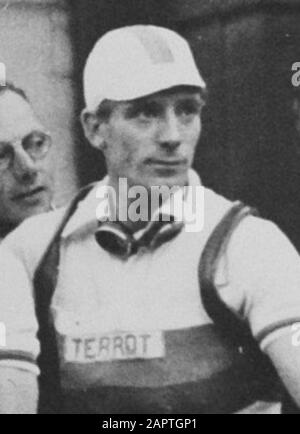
31	194
172	163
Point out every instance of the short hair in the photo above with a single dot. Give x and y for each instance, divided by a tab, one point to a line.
106	107
10	87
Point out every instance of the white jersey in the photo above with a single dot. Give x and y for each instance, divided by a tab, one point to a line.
101	299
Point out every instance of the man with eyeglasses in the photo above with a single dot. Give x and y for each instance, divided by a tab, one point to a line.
126	315
25	179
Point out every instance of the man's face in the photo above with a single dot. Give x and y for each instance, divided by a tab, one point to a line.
25	184
152	141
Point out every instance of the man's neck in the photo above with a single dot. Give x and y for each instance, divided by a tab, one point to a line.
120	204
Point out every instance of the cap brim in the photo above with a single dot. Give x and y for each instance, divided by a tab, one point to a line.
148	84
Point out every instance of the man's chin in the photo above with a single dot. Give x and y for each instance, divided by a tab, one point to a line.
170	181
17	216
39	208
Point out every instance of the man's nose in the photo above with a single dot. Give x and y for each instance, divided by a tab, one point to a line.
169	137
25	168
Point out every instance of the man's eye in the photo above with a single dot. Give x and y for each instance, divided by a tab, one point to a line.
189	108
145	112
4	154
38	143
32	141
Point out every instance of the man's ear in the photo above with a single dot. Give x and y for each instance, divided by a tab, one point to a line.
93	129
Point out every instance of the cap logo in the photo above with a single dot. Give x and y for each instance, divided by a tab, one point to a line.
155	45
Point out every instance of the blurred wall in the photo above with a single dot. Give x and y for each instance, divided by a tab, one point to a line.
36	47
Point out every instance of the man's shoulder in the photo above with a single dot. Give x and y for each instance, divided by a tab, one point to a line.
253	231
29	241
37	226
216	207
256	237
214	201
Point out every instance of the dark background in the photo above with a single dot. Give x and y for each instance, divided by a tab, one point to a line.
250	147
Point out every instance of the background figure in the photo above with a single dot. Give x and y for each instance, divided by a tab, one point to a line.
25	180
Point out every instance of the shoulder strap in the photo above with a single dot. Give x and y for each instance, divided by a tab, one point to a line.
45	280
223	317
228	322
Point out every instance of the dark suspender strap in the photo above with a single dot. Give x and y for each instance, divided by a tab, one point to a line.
228	322
45	280
223	317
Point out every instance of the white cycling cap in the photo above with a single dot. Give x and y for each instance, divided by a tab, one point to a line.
136	61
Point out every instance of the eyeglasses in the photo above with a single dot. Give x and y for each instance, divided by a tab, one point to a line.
36	145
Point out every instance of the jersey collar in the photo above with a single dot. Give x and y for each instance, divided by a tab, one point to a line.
86	219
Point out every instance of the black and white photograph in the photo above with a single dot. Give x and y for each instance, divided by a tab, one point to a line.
149	209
